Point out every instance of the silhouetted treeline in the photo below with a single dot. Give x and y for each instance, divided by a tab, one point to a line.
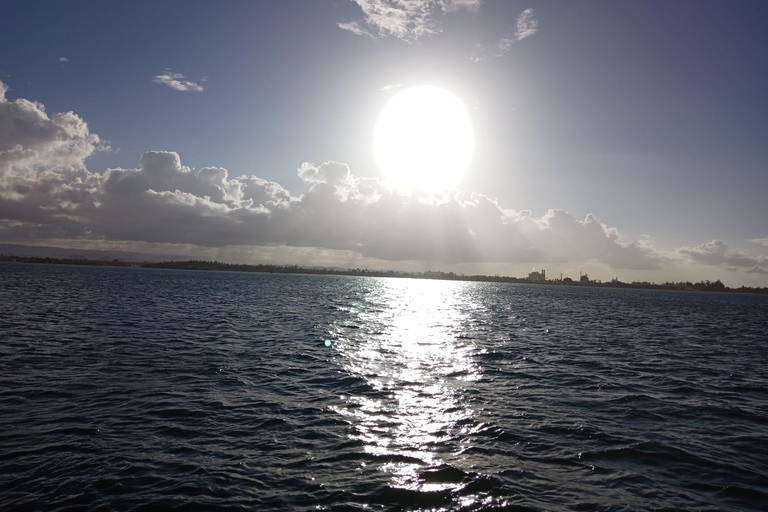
295	269
69	261
704	286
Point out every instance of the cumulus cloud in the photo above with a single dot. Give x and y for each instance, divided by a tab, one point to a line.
406	20
177	81
526	25
717	253
30	139
760	241
168	202
43	179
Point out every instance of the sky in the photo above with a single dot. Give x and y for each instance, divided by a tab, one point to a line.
622	139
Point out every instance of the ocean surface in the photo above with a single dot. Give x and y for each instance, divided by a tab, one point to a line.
134	389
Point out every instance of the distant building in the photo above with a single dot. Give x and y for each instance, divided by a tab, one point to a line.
583	279
537	277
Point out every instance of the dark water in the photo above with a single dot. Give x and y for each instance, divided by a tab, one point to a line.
129	389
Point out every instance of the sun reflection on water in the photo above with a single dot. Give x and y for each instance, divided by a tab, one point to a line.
408	349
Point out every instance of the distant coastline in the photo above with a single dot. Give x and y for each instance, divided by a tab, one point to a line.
702	286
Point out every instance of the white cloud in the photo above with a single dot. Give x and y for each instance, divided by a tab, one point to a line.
504	45
527	25
177	82
407	20
43	178
760	241
355	28
389	87
458	5
717	253
31	139
63	60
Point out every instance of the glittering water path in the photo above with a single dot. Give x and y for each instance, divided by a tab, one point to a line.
127	389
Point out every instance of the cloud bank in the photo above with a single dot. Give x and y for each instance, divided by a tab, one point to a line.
717	253
47	192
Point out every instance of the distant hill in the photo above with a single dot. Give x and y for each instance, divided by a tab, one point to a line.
38	251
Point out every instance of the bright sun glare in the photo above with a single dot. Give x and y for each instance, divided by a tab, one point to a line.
424	139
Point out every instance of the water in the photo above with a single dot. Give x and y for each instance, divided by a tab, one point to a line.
131	389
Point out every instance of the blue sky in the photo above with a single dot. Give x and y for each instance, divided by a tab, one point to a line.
652	116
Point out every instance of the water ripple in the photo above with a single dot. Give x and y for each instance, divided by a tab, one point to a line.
129	389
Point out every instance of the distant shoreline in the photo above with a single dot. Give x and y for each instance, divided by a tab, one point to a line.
703	286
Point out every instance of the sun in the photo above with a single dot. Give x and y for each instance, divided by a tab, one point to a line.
424	139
